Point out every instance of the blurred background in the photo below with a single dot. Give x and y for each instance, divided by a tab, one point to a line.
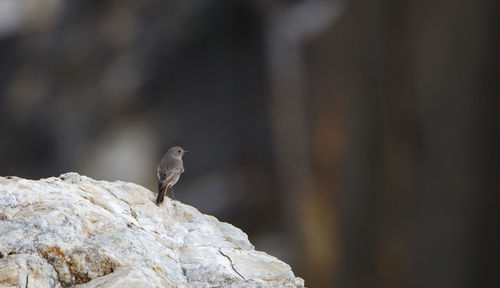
355	140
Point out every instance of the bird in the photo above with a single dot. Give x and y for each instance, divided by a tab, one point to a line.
168	171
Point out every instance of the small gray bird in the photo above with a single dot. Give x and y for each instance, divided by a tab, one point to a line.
168	171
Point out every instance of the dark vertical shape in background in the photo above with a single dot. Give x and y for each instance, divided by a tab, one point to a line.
421	177
452	52
359	201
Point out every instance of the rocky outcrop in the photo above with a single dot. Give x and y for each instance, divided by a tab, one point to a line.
76	231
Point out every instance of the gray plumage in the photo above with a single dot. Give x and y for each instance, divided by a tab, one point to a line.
168	171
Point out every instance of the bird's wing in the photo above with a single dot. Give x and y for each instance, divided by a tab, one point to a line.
160	174
166	176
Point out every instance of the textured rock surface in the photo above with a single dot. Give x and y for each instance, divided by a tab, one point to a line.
76	231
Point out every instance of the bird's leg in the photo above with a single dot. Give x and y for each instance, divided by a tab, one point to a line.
172	190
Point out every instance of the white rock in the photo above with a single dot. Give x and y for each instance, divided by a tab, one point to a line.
76	231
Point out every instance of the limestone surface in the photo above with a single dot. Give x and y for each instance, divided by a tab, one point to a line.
72	231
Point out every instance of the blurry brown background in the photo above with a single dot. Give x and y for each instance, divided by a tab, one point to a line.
356	140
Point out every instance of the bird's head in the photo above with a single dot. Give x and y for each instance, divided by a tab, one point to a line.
176	152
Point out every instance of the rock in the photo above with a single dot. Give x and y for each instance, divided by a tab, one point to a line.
76	231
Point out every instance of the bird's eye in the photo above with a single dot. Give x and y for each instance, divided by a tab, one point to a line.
178	151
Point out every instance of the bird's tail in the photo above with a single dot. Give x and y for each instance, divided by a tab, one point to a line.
161	193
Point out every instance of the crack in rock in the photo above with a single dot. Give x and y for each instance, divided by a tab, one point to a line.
231	262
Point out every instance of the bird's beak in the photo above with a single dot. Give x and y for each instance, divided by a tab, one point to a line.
185	151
